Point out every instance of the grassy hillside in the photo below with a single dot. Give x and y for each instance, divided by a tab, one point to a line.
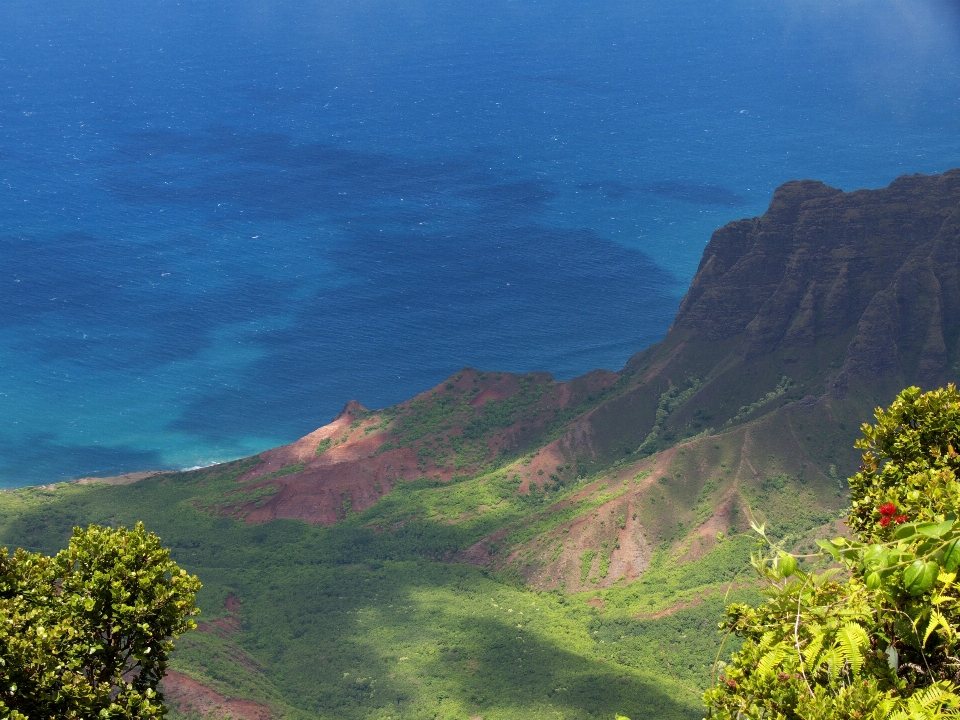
465	598
359	621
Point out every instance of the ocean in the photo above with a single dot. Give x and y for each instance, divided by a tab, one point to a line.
220	221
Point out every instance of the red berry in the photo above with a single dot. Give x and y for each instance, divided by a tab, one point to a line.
900	518
884	521
887	509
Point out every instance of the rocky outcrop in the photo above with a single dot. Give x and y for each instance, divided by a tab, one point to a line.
818	259
826	291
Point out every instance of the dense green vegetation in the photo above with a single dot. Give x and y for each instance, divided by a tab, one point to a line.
88	632
453	428
365	619
880	641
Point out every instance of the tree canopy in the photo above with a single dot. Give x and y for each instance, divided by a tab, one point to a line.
88	632
878	634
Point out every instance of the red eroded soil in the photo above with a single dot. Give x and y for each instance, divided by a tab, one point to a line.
354	471
231	623
189	696
348	476
507	386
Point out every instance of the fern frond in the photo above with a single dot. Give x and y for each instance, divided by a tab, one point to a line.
852	638
812	651
930	703
771	660
831	660
937	620
767	640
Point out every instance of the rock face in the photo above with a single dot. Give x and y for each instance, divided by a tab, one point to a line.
821	261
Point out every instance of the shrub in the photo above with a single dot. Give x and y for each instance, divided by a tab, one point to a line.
87	633
881	638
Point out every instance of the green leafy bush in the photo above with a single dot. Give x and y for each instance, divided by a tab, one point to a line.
882	638
87	633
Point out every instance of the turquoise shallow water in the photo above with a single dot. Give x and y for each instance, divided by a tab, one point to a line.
219	221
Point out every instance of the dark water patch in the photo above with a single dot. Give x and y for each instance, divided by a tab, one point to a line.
40	458
62	276
269	175
696	194
109	304
613	189
526	196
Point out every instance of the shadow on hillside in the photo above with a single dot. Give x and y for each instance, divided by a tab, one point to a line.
430	640
379	636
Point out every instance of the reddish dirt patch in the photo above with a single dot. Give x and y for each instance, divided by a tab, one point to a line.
597	603
506	387
226	625
189	696
673	609
355	469
349	476
555	561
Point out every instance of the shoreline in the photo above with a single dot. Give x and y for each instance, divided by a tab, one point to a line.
125	479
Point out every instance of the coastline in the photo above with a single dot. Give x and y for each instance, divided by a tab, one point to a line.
125	479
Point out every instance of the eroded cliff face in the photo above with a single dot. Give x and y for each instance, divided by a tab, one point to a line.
826	293
820	262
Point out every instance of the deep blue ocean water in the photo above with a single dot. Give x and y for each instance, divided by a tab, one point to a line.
219	221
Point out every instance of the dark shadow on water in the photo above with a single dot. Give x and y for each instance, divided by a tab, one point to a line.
498	297
438	263
444	264
696	194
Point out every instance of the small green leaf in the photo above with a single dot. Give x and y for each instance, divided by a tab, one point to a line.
828	546
787	564
874	556
935	530
951	555
873	581
919	576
